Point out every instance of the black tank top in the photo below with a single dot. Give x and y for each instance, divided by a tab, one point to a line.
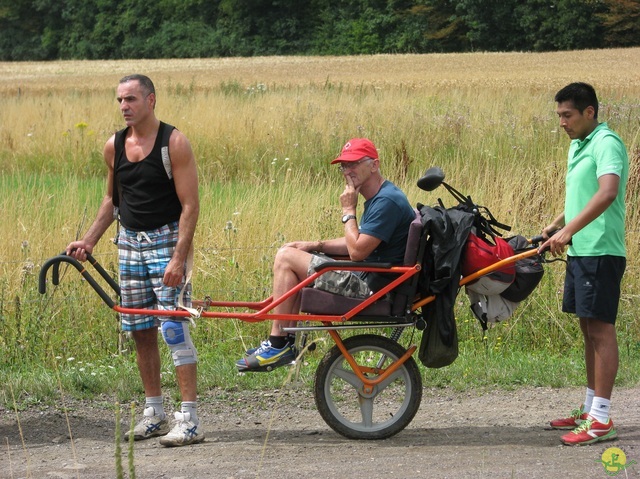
148	198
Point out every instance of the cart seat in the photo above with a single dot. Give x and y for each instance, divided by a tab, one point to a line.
316	301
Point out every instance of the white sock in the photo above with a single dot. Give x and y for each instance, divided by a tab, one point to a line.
600	409
155	402
588	400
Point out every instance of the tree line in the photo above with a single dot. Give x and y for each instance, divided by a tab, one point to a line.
118	29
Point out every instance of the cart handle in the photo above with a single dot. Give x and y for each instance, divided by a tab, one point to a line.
55	275
536	240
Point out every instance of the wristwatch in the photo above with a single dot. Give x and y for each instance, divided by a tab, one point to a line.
346	218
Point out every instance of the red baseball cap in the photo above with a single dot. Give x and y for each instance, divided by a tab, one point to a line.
356	149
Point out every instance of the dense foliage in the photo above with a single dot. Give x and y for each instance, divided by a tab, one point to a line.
116	29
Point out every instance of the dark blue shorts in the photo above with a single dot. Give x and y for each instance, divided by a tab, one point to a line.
592	286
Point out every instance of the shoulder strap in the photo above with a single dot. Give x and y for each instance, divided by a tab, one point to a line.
166	130
119	150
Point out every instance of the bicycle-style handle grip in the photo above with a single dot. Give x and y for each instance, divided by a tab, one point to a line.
539	239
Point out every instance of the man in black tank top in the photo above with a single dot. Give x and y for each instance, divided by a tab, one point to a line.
153	181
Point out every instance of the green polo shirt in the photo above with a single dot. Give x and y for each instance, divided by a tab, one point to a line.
600	153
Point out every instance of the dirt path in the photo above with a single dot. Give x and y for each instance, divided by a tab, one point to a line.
454	435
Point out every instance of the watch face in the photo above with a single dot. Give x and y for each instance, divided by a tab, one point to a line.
346	218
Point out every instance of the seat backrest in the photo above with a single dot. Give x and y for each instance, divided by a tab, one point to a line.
411	257
413	241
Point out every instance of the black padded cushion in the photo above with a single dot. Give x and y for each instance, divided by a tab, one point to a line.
316	301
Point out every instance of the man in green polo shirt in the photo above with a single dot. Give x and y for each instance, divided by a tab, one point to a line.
593	227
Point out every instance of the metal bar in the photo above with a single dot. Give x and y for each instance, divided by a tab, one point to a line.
369	383
349	326
480	273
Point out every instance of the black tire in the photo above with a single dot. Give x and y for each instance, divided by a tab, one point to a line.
339	395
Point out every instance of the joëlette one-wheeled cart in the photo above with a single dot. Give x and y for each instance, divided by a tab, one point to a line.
367	386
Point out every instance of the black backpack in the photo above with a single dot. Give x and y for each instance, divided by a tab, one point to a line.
529	272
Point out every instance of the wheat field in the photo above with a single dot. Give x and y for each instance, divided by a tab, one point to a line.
615	70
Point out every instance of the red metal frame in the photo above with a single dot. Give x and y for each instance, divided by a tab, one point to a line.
263	310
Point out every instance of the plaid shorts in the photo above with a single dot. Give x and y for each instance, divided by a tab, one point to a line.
345	283
143	258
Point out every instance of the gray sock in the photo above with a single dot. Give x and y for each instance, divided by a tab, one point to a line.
156	402
192	408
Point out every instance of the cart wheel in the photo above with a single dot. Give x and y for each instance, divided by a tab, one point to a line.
344	405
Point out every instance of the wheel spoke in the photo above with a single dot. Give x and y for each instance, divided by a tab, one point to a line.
349	376
392	377
366	409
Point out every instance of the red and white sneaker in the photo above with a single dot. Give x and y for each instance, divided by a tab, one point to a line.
576	418
590	431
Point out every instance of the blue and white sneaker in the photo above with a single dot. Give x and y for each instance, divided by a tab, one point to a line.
151	425
263	344
290	338
184	432
266	358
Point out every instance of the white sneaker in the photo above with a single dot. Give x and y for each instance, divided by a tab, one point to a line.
184	432
151	425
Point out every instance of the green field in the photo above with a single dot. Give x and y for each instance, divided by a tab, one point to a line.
264	131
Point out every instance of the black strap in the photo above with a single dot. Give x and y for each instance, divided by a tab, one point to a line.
119	147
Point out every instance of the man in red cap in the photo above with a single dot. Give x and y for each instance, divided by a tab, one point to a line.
380	236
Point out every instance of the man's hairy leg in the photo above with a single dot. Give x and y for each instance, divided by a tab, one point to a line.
148	359
187	381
